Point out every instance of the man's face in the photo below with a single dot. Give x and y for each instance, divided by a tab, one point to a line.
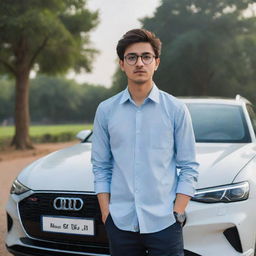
139	73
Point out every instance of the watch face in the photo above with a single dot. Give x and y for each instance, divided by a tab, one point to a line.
180	217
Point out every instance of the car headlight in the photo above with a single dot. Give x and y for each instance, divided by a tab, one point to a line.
226	194
18	188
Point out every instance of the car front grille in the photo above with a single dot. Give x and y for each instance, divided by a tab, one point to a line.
37	205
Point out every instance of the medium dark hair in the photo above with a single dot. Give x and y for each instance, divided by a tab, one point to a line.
138	36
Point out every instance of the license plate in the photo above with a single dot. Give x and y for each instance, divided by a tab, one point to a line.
65	225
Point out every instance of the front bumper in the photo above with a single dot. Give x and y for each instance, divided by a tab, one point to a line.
221	229
209	231
19	242
25	250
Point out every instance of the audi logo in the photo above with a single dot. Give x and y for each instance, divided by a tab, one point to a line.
68	203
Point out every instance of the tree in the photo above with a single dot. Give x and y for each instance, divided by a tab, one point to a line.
60	100
91	96
54	99
207	47
49	36
119	81
203	45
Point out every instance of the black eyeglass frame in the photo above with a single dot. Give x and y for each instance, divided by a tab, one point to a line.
141	56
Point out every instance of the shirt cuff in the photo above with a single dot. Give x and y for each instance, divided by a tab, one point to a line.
185	188
102	187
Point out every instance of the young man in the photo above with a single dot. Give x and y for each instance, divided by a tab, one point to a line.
141	137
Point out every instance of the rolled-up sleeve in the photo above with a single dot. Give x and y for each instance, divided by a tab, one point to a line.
185	153
101	158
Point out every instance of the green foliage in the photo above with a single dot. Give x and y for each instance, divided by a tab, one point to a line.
203	50
91	96
49	36
119	81
208	48
58	100
53	34
55	100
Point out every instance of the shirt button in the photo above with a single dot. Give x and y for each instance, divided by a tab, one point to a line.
138	131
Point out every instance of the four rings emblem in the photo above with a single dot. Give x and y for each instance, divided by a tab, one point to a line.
68	203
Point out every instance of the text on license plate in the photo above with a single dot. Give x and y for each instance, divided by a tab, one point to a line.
78	226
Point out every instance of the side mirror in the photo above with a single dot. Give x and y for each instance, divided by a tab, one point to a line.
83	134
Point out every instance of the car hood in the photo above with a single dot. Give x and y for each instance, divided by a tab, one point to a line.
70	169
221	162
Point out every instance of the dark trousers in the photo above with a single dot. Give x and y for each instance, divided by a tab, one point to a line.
167	242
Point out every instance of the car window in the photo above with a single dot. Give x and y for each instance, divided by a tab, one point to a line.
219	123
252	115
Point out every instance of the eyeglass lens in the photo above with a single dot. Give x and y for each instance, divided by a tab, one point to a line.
132	59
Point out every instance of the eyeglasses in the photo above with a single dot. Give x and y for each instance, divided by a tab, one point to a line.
131	58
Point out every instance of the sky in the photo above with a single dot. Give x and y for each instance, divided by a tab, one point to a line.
116	18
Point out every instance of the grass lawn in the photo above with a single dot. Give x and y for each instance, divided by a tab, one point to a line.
35	131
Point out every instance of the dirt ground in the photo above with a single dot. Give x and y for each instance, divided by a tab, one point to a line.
11	163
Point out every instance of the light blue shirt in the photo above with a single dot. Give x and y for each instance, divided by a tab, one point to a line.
136	151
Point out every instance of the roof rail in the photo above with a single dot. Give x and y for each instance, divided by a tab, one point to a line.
238	97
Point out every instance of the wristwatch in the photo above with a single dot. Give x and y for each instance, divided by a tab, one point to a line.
180	217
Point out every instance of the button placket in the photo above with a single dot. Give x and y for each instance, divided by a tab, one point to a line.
137	143
136	176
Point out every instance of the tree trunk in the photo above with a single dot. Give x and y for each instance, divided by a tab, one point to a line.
21	139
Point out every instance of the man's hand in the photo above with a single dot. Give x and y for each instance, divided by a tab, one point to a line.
103	199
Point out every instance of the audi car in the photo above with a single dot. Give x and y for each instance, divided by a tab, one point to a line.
53	209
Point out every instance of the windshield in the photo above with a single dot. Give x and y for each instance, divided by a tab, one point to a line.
219	123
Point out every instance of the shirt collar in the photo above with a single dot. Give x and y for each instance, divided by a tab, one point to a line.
153	95
125	96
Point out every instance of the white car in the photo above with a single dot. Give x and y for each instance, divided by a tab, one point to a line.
53	209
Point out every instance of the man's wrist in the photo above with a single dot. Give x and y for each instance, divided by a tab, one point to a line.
180	211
